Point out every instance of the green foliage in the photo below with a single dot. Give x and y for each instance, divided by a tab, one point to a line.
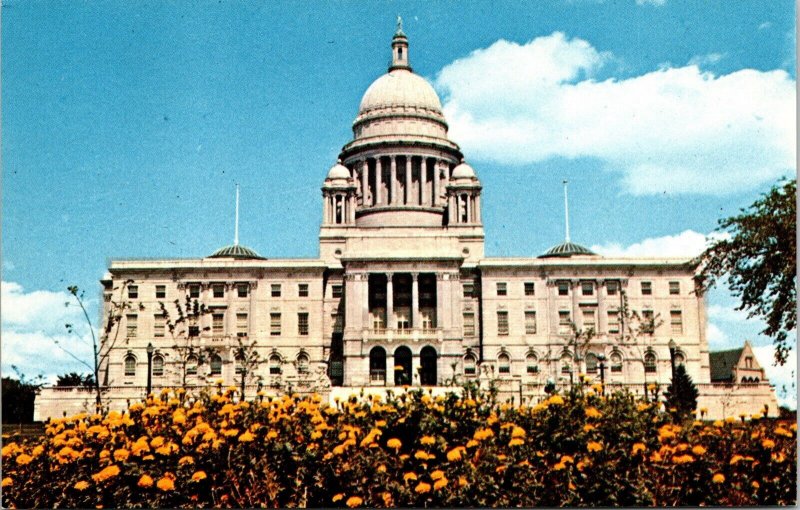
759	259
18	396
681	395
76	379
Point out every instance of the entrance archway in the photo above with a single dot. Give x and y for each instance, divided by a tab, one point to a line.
377	365
427	360
402	366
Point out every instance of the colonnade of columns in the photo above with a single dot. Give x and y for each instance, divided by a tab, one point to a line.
415	318
464	207
338	208
410	180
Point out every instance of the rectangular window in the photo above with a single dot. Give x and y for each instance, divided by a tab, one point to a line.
613	321
218	290
403	322
502	323
302	290
194	330
336	291
530	322
563	288
612	288
275	290
302	324
469	324
159	325
587	288
648	322
676	321
589	320
194	291
501	289
241	325
647	288
133	292
242	290
275	324
161	291
564	323
338	323
378	323
218	324
530	289
675	288
132	320
469	290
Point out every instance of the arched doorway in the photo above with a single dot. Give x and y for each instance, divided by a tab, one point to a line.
377	366
427	360
402	366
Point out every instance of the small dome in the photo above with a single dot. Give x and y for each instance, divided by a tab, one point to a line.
400	88
338	171
567	249
235	251
463	171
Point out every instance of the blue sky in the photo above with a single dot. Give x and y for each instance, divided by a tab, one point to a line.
126	125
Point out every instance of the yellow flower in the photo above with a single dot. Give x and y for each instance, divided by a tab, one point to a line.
7	482
422	488
641	406
736	458
462	481
166	483
500	469
421	455
380	423
698	450
591	412
394	443
121	455
440	483
157	442
354	501
198	476
638	447
718	478
517	432
769	444
718	423
755	485
594	446
23	459
555	400
516	442
567	459
247	437
559	466
185	460
337	497
472	443
454	454
427	440
109	472
145	481
381	468
682	459
81	485
437	474
409	476
783	432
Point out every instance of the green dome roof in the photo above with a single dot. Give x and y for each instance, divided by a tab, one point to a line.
567	249
235	251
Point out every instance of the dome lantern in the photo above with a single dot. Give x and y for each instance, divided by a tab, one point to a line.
399	48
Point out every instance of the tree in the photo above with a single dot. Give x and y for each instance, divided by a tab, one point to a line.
634	328
681	394
758	254
76	379
246	361
185	331
18	397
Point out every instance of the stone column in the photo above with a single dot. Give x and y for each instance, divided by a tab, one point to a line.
393	181
408	180
364	182
415	322
436	170
478	207
325	208
352	212
365	322
441	291
423	175
468	205
451	209
390	322
378	177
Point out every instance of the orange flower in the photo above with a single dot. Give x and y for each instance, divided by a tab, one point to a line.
185	460
594	446
247	437
638	447
81	485
394	443
166	483
454	454
427	440
354	501
462	481
7	482
698	450
109	472
145	481
769	444
437	474
337	497
23	459
591	412
718	478
516	442
440	483
422	488
121	455
409	476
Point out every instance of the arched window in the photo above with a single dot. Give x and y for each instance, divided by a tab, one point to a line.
532	363
470	365
158	366
191	365
302	363
402	366
427	361
130	365
239	363
616	362
216	364
377	365
503	364
650	363
591	363
275	365
566	363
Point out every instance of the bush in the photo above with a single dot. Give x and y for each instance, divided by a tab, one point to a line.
408	450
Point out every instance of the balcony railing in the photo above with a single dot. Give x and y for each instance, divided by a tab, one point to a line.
405	334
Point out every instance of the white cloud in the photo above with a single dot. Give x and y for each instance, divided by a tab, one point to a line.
706	60
765	25
717	338
783	377
675	129
686	244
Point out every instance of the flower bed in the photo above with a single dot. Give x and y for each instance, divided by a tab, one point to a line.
580	449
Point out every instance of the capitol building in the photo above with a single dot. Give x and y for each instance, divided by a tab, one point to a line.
402	294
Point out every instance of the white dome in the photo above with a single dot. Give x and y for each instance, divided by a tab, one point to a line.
463	171
400	88
338	171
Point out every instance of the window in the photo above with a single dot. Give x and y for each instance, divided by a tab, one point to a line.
589	320
336	291
218	290
242	290
274	324
676	321
675	288
130	365
302	323
133	292
469	290
613	321
275	290
274	365
649	363
612	288
302	363
191	365
216	364
616	362
161	291
530	322
218	324
503	364
158	366
131	323
159	325
194	291
428	322
338	323
566	364
469	324
591	363
502	323
563	288
530	289
239	364
402	314
647	288
748	361
564	323
532	364
587	288
194	330
648	322
378	323
302	290
470	367
241	325
502	289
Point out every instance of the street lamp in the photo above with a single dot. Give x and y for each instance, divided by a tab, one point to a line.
150	350
602	366
672	347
